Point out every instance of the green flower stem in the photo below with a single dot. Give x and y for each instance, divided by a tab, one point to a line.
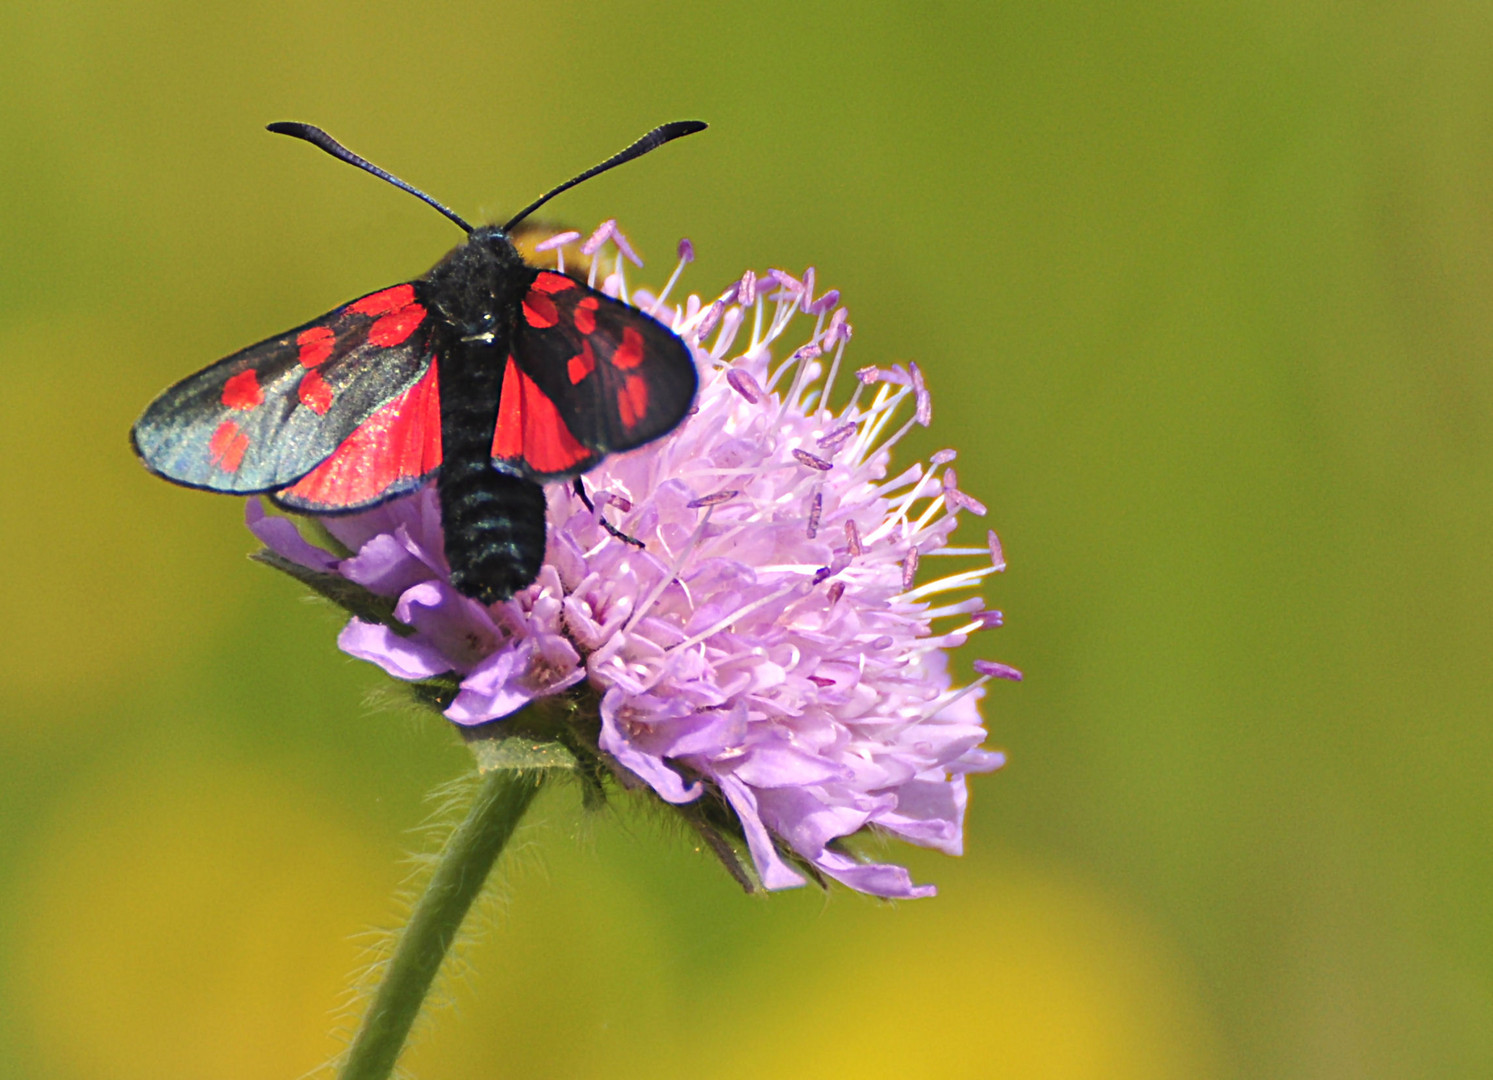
464	863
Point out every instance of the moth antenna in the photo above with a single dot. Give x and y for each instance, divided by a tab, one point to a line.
319	138
652	141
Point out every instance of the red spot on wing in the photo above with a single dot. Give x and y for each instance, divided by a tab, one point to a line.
396	326
530	430
314	393
632	402
585	315
243	392
539	310
315	345
227	446
552	283
380	303
582	364
630	353
400	441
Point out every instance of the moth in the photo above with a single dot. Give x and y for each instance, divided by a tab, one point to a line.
487	374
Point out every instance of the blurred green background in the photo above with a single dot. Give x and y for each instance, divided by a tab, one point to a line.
1203	295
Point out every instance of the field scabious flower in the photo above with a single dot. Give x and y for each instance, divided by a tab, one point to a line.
769	647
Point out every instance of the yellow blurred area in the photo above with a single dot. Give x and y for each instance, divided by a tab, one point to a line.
209	932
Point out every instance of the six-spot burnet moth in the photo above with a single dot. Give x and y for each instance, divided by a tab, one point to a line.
489	374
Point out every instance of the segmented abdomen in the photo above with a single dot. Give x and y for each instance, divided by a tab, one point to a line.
494	526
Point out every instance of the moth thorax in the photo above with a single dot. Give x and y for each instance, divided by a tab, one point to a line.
479	281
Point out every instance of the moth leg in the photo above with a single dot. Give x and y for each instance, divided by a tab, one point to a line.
580	489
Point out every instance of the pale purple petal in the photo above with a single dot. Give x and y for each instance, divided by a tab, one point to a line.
664	780
878	879
402	657
777	765
930	813
282	537
774	872
385	565
491	691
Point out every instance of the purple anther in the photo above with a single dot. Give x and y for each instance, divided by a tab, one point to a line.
686	251
999	671
825	303
836	591
813	461
712	500
623	246
924	414
746	289
839	328
816	507
822	573
972	504
558	240
883	642
837	437
807	352
989	620
808	294
910	568
621	502
787	281
743	383
853	538
997	554
950	481
943	457
820	680
709	319
603	233
868	375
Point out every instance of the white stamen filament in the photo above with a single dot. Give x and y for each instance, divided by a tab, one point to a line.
903	507
948	584
963	607
663	582
933	508
882	408
735	616
668	285
726	334
829	380
970	628
943	701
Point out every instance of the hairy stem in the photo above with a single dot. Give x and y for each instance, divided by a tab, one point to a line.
459	875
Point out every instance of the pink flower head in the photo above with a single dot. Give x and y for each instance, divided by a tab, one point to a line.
769	647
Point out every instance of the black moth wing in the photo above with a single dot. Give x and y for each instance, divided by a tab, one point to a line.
266	416
617	377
